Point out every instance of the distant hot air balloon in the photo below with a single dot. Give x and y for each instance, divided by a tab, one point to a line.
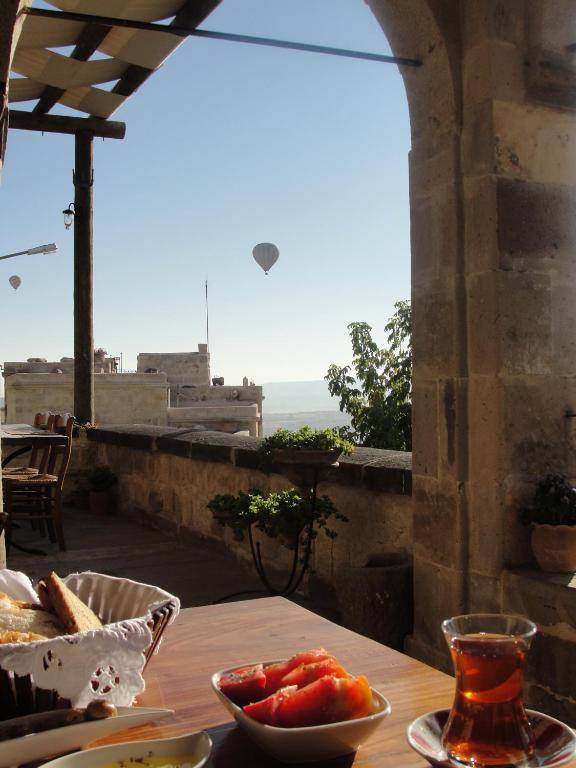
265	255
15	282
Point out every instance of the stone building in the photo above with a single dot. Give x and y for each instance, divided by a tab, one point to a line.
167	389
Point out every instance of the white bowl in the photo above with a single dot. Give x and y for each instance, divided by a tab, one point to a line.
302	745
196	746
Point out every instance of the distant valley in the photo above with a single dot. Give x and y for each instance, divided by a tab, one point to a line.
293	404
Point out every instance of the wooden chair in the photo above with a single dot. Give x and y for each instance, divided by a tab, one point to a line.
39	497
39	456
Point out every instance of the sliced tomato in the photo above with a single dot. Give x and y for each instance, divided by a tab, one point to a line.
275	672
307	673
327	700
242	686
265	711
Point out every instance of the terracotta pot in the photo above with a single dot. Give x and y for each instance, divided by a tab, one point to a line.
102	503
554	547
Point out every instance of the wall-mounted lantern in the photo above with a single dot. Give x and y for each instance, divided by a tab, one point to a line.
68	215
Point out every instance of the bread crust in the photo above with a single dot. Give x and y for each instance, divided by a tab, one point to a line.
20	637
72	612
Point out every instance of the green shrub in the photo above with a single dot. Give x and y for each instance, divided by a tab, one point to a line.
282	515
554	502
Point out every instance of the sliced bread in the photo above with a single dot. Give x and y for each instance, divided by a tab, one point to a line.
72	612
16	616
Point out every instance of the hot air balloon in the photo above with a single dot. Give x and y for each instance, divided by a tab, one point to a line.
265	255
15	282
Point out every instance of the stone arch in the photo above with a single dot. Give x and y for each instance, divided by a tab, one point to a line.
424	29
492	197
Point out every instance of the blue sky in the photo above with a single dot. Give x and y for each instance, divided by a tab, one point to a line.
227	146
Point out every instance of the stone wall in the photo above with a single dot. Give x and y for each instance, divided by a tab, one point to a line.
120	398
180	367
168	476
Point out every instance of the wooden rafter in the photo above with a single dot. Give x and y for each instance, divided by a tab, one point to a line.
29	121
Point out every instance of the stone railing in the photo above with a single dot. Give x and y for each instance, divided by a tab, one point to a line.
168	476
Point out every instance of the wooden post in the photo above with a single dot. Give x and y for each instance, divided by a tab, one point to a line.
83	243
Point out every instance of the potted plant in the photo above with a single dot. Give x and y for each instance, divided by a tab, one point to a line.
102	496
285	516
314	447
232	511
552	516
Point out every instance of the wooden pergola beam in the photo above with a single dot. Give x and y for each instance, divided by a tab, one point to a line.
29	121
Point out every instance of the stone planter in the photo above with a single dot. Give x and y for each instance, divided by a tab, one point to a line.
305	467
377	600
554	547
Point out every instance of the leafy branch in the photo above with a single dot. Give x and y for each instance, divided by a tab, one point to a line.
376	389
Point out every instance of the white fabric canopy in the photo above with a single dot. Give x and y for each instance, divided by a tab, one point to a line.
142	10
124	47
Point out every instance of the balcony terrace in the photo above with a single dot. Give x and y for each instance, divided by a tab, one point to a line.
165	534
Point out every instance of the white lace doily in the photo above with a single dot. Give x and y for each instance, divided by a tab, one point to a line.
104	663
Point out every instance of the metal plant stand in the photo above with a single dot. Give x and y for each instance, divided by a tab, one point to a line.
306	476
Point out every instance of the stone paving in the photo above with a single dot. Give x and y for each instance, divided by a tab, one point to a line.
198	571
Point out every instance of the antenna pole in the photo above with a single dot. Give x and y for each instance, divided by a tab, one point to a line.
207	325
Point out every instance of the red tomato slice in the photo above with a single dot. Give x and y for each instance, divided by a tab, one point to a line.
265	711
244	685
308	673
275	672
327	700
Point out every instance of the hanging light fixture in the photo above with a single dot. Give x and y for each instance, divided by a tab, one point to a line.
68	215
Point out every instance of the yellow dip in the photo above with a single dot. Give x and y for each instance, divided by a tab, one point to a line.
154	762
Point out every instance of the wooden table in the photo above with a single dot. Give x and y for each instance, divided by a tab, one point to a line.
204	640
23	437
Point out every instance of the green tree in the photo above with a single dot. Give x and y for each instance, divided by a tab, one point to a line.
375	390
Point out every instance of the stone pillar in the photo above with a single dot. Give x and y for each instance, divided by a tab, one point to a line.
494	279
493	230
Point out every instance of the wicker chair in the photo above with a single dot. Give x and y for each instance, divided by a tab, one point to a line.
38	497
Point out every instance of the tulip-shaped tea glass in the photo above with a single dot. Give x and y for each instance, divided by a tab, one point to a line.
488	725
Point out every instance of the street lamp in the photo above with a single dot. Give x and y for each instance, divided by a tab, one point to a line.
68	215
49	248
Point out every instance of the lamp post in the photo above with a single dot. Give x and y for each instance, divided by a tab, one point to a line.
48	248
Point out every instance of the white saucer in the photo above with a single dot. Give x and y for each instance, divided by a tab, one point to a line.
555	741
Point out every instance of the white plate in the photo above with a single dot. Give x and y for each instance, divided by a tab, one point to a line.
302	745
195	746
35	746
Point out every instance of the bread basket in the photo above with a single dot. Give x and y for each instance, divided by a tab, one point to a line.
71	670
